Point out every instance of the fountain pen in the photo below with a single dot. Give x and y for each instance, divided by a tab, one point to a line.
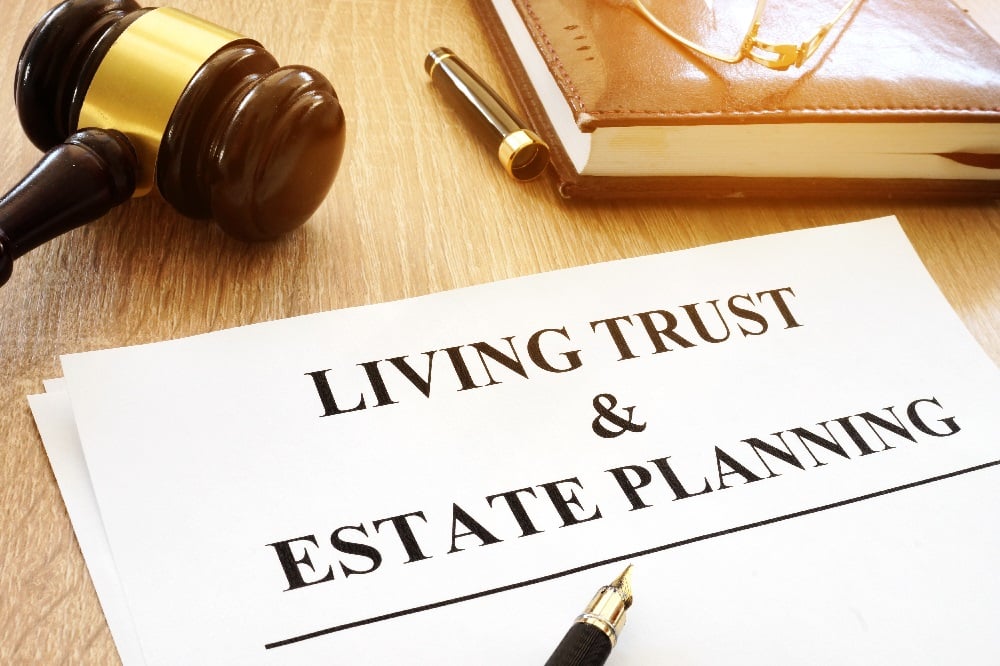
589	640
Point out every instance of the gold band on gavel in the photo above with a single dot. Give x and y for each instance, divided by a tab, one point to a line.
143	74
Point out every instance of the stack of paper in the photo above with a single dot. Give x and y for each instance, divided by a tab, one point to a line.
792	438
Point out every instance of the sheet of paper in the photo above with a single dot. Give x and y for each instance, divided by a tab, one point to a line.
54	416
792	438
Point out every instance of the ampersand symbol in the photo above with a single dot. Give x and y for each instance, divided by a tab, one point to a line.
605	414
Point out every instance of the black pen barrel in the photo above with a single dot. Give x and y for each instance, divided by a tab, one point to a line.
583	645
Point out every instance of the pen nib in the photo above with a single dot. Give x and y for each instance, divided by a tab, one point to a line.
624	585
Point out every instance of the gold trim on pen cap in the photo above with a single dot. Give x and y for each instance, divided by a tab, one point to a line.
143	74
435	57
523	155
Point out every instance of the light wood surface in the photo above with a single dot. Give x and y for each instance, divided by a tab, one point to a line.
418	207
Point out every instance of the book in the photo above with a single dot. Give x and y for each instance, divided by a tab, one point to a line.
901	98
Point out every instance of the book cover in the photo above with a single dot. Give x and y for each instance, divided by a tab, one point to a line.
900	98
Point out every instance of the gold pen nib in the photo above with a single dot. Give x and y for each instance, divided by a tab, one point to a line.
595	631
624	585
606	610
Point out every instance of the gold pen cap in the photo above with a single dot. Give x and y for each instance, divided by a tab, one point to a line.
521	152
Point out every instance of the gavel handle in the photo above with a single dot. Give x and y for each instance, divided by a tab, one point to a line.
76	182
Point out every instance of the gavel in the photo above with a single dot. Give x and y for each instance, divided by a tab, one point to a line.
126	100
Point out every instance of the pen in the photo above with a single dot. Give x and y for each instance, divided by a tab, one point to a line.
522	154
589	640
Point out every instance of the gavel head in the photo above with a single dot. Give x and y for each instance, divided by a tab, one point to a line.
218	127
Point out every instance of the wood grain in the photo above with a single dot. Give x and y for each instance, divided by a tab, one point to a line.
417	208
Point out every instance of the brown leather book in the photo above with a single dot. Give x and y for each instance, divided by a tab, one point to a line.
901	98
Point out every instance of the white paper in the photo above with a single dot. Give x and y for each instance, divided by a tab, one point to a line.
54	417
204	451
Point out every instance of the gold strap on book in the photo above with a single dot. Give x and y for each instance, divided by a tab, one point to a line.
774	56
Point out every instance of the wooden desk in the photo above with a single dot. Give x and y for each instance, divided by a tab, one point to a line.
417	208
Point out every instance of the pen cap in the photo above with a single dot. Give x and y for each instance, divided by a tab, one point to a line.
218	127
521	152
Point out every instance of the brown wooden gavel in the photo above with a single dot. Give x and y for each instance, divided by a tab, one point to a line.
127	99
